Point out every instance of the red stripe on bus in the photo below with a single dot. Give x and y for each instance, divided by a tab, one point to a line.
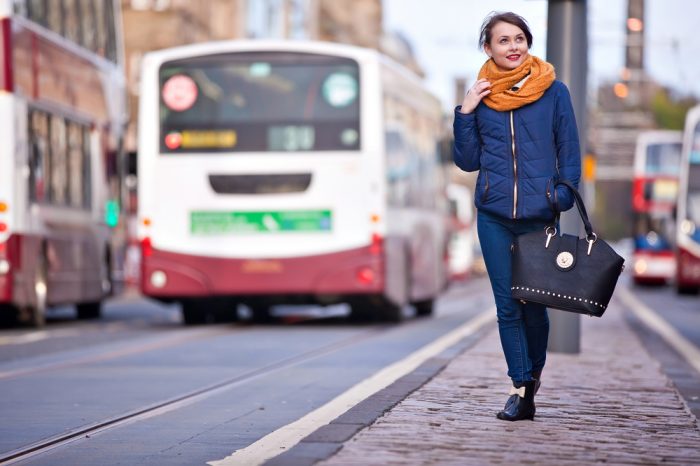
189	275
6	81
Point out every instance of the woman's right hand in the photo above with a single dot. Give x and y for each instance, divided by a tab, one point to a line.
478	91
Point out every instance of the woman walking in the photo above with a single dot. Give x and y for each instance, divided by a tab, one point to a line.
516	125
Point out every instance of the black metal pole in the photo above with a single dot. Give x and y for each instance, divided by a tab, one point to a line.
567	50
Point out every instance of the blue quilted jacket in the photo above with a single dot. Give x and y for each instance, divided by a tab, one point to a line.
520	154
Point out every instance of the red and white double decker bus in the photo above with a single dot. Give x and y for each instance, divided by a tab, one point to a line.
657	162
688	218
63	113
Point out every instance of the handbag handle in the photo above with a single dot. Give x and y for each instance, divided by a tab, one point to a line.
581	208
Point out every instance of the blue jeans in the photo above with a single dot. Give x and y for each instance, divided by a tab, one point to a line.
524	328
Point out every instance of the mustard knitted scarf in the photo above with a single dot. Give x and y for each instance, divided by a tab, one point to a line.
502	98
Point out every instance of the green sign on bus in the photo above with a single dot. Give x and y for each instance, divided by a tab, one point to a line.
213	222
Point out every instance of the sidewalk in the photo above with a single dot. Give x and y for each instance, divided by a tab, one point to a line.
610	404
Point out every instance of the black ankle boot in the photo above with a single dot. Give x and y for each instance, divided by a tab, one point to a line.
537	376
511	399
523	405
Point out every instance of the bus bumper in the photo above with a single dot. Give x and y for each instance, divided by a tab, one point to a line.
172	275
653	266
688	269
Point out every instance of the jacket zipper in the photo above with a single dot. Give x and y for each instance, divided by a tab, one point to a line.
515	165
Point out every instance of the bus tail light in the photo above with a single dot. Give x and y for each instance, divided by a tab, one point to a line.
3	227
146	247
375	247
4	263
6	82
366	275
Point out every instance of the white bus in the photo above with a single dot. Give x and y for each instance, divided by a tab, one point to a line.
63	113
688	212
279	172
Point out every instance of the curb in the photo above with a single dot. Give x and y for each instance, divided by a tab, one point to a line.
326	441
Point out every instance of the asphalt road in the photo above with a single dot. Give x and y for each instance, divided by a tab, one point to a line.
203	392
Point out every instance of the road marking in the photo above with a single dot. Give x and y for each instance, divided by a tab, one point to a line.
24	338
286	437
688	350
38	335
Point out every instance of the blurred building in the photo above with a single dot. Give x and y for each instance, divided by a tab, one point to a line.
621	112
156	24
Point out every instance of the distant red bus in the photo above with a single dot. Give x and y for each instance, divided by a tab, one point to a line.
63	113
688	217
654	195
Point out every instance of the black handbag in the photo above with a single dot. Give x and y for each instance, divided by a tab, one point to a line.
565	272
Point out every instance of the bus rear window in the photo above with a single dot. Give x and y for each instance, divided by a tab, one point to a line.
664	159
260	102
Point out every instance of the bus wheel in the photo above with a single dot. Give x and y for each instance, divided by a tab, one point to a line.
35	313
260	312
223	310
360	311
687	290
391	312
89	310
192	312
424	307
8	315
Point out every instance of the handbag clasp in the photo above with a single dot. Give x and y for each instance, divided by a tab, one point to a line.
590	242
551	231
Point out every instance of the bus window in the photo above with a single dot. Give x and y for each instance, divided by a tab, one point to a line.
59	179
110	33
72	21
87	171
36	11
54	16
100	30
75	165
693	207
88	24
663	159
260	102
39	163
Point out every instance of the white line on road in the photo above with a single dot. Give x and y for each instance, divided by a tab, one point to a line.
23	339
286	437
689	351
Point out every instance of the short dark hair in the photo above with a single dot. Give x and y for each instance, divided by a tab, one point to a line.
507	17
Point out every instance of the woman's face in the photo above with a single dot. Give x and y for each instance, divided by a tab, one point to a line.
508	46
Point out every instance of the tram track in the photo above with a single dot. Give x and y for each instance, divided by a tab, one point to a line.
180	401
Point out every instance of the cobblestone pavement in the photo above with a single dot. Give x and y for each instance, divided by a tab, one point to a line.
609	404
